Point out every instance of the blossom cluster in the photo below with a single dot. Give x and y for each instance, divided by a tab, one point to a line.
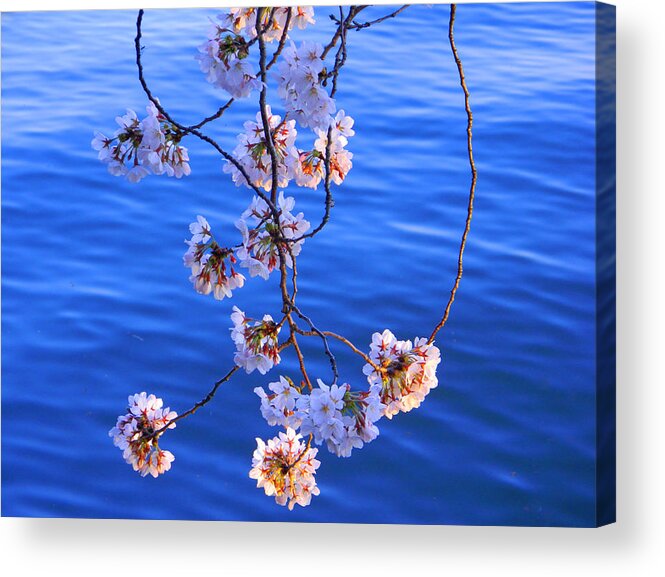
334	414
311	163
256	342
299	86
284	467
306	100
408	371
242	21
223	58
400	376
211	264
141	147
253	155
279	407
134	434
342	418
261	243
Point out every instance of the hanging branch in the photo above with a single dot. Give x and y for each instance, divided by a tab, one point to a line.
474	175
399	374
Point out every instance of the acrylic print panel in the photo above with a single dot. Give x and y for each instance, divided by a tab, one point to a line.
500	412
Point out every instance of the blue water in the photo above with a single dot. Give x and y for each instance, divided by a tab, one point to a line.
96	304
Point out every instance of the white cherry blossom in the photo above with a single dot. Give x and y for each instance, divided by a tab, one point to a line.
285	467
256	342
408	371
212	265
138	148
253	155
259	251
300	88
136	434
280	406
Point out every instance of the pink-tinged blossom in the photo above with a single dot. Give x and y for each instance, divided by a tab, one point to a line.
310	169
285	467
343	125
212	265
137	433
259	251
279	406
408	371
138	148
340	158
299	86
302	16
253	155
256	342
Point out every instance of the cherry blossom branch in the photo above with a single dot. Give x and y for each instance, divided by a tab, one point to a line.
401	374
340	56
474	174
355	10
287	301
343	24
191	130
329	200
155	101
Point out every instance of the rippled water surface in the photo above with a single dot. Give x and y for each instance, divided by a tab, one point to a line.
97	305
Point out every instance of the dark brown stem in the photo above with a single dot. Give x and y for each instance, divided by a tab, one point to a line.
474	175
301	359
353	12
274	161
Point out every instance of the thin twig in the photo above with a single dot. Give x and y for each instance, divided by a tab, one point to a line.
218	114
198	405
331	357
344	340
340	57
474	175
329	200
360	25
